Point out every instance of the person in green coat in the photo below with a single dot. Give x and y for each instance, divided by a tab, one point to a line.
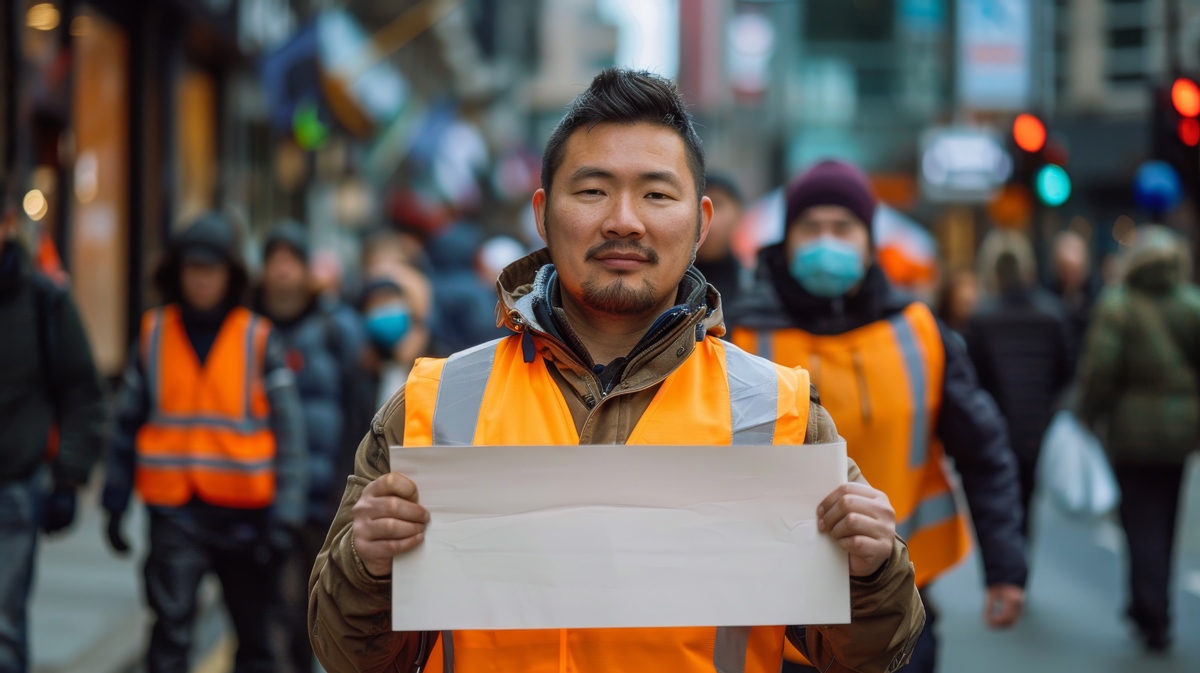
1139	392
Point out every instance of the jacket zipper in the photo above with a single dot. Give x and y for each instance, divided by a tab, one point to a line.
864	397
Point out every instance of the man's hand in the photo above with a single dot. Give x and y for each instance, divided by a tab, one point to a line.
387	522
862	521
1005	602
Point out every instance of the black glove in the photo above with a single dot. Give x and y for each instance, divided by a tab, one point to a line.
60	509
115	539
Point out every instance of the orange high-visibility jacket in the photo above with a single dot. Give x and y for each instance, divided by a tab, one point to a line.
208	435
882	383
489	395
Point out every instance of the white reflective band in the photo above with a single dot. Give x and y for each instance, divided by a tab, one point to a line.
753	397
460	395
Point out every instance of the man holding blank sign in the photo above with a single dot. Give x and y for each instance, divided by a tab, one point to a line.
614	343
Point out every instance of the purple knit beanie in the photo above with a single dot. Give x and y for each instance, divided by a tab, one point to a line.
832	183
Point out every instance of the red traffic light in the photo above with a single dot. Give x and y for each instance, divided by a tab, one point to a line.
1185	96
1189	132
1030	133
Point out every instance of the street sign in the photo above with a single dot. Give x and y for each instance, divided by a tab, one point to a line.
962	165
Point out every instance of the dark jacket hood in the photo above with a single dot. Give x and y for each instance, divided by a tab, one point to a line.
778	301
214	236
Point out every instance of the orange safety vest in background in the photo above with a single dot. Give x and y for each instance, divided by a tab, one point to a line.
719	395
882	383
208	434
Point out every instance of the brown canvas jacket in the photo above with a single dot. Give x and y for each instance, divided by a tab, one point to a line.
350	610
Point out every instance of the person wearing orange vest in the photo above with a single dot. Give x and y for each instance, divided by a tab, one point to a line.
614	341
901	388
210	434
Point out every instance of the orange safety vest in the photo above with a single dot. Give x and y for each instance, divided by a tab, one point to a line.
208	434
882	383
489	395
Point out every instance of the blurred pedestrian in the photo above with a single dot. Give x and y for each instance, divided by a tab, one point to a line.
715	259
613	339
902	391
958	299
48	382
210	433
1139	392
466	304
1018	344
323	341
396	307
1074	284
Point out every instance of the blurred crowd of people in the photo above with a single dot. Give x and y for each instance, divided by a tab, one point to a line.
246	397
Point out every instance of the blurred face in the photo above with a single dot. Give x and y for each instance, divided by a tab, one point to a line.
726	214
204	284
833	221
623	219
1071	263
284	271
965	297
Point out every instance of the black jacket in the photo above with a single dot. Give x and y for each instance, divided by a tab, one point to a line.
40	389
969	424
1019	345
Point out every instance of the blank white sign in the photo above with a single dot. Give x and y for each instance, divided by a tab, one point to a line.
621	536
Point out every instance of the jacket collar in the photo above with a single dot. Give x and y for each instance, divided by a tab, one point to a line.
528	304
778	301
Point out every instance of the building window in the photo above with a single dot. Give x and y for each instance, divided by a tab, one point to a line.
1124	38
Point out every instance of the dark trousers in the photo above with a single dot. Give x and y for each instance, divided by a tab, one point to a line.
1027	475
181	554
1149	505
292	609
924	657
20	515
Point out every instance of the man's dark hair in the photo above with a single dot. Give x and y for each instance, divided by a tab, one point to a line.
1008	271
623	96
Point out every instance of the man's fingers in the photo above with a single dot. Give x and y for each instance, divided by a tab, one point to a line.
387	530
392	483
848	488
856	524
391	507
863	546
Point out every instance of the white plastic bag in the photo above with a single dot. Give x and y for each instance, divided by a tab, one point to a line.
1074	470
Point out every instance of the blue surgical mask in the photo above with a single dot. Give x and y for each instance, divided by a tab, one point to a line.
388	325
827	267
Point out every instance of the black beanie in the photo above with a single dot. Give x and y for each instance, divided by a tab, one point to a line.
289	233
832	183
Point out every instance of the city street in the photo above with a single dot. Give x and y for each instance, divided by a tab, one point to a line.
1076	600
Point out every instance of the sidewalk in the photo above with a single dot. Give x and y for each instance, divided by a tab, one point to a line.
87	612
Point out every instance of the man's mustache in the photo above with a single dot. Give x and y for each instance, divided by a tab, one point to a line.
631	247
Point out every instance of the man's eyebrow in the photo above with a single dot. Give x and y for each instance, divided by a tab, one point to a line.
584	172
668	177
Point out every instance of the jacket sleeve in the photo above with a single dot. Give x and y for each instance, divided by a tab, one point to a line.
886	611
349	610
287	424
1099	362
975	437
79	401
132	410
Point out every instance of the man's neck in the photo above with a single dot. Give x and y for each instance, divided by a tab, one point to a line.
284	305
607	336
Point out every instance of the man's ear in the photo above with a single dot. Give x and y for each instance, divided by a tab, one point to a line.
706	218
539	214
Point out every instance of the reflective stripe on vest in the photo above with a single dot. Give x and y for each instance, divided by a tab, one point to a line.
489	395
914	362
208	432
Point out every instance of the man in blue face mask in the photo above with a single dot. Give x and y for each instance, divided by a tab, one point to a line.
902	392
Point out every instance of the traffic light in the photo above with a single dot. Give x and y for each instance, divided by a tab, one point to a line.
1038	160
1176	126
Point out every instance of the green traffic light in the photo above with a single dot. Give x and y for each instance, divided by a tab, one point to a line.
1053	185
309	131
